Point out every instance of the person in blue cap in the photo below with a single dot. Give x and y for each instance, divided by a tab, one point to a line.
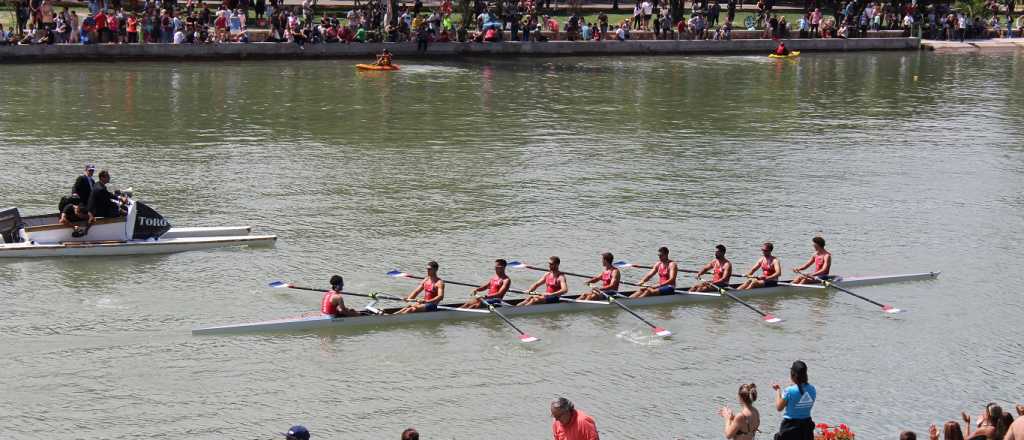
297	432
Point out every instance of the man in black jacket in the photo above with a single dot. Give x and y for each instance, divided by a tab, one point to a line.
84	184
101	203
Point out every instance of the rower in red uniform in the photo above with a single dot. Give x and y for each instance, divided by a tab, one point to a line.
822	261
666	270
333	303
770	267
433	292
609	279
721	269
554	283
496	287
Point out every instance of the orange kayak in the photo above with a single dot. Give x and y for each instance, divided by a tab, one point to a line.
376	67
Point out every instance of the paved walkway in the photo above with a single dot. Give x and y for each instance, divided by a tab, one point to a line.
974	45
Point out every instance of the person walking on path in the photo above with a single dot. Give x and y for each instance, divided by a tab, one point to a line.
796	401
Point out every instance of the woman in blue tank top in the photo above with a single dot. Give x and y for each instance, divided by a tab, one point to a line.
796	401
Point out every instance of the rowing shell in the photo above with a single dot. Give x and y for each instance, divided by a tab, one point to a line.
450	311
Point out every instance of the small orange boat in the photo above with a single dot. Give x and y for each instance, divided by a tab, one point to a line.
376	67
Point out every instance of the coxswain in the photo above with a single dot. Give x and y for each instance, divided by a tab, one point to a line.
384	58
496	287
666	270
554	283
333	303
770	267
822	261
432	288
721	269
609	279
781	49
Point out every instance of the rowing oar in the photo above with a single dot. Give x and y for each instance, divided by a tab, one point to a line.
373	295
521	265
885	307
611	300
522	335
624	264
767	317
400	274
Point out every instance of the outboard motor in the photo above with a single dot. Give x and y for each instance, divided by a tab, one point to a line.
10	224
148	223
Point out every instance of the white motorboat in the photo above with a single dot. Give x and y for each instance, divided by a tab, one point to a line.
141	231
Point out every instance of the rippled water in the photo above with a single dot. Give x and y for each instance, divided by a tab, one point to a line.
906	162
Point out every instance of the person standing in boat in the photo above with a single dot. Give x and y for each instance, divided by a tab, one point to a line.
333	303
101	201
609	279
796	401
822	261
432	288
721	269
666	270
84	184
770	267
554	282
496	287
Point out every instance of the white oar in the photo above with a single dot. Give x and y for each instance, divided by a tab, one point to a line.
885	307
660	331
494	310
767	317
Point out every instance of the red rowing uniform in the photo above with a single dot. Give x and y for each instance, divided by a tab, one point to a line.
766	269
429	290
552	283
663	273
494	286
326	307
819	263
606	280
719	271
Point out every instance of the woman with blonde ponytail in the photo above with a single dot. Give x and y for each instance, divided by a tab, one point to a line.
743	425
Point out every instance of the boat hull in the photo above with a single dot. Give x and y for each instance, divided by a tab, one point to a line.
320	322
130	247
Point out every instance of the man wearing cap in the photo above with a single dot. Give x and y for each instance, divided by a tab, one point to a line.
297	432
84	183
101	202
333	303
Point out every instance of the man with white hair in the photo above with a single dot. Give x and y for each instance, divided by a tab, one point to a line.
571	423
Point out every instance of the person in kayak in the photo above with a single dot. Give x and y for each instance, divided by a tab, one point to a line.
609	279
384	58
432	288
333	303
496	287
782	50
554	283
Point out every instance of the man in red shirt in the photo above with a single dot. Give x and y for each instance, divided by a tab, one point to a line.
571	423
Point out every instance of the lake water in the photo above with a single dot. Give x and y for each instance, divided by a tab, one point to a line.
905	162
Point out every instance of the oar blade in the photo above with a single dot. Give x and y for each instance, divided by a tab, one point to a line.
527	338
517	264
622	264
662	332
397	274
771	319
890	309
279	284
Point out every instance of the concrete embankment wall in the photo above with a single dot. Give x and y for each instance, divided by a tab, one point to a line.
108	52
